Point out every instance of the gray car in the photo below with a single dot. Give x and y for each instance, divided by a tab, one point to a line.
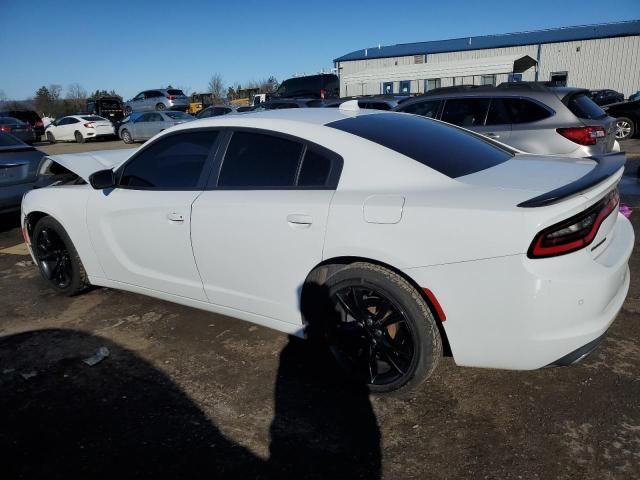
142	126
530	117
19	164
17	128
158	100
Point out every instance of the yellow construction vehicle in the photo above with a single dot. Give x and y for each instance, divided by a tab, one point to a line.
199	101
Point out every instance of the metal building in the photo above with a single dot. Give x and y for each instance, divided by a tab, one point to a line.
590	56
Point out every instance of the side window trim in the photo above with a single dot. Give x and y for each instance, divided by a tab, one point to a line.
225	139
204	175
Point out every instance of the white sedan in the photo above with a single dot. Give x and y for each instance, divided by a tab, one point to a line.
383	235
79	128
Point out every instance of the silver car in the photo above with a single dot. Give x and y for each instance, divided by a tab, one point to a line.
530	117
157	100
139	127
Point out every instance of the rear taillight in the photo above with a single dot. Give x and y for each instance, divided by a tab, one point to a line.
582	135
574	233
171	97
5	128
89	125
28	126
38	124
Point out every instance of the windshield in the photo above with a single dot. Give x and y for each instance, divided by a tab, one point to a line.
444	148
178	115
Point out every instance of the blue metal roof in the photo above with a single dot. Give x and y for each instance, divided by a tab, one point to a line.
565	34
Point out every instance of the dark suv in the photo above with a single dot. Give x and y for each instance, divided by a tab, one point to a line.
530	117
110	108
28	116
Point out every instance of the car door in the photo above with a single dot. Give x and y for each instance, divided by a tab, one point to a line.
468	113
138	127
260	229
141	230
156	124
498	123
151	99
64	129
529	131
137	102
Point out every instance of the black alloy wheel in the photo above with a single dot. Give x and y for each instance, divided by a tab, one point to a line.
54	258
374	338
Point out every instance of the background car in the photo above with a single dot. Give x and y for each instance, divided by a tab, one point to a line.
324	85
28	116
530	117
17	128
158	100
142	126
19	165
214	111
606	97
79	128
627	115
635	96
110	108
372	102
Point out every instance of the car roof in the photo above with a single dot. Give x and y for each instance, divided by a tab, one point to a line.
315	116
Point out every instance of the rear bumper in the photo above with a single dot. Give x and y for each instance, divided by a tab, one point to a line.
579	353
518	313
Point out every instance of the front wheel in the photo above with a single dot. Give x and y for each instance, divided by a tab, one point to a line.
383	333
79	138
51	138
126	137
57	258
624	128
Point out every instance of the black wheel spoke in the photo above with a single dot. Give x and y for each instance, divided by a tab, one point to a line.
348	304
53	258
393	318
373	364
388	352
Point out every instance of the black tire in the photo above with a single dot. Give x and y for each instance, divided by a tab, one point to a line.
411	349
126	136
79	138
57	258
51	138
161	106
625	128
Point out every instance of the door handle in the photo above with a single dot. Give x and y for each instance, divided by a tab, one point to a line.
299	220
492	135
175	217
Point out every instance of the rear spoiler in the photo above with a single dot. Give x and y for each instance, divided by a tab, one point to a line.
606	166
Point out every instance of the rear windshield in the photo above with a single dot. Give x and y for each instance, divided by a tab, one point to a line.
113	104
174	91
441	147
178	115
583	107
94	118
25	115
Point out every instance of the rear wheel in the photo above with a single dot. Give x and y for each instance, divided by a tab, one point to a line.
384	333
79	138
57	258
51	138
161	106
624	128
126	136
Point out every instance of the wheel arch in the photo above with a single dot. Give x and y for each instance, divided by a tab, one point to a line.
323	270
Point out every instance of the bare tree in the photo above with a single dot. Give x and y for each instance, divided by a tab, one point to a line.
216	86
76	92
55	91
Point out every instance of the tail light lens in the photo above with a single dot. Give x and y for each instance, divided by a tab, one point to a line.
171	97
89	125
38	124
582	135
5	128
574	233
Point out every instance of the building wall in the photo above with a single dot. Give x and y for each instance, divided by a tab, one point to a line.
599	63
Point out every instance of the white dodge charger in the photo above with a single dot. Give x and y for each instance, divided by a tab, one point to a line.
383	235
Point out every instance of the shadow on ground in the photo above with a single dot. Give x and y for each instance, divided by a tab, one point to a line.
124	418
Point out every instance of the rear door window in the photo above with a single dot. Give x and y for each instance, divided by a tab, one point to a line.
428	108
443	148
466	112
498	114
583	107
522	110
175	162
257	160
316	170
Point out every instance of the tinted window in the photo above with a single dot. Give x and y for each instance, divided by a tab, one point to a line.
315	169
175	162
446	149
174	91
426	109
143	118
525	111
258	160
466	112
155	117
583	107
179	115
498	114
94	118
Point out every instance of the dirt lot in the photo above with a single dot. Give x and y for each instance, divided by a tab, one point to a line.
189	394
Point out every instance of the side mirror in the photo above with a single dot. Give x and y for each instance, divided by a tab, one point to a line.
103	179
